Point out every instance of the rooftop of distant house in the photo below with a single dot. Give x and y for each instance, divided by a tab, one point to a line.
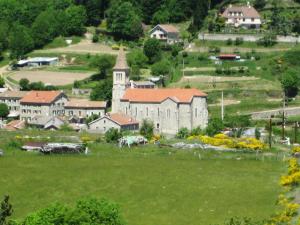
13	94
159	95
240	12
85	103
167	27
119	118
41	97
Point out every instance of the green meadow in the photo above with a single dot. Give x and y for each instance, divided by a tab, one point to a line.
152	185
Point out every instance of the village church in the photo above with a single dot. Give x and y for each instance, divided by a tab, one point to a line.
168	108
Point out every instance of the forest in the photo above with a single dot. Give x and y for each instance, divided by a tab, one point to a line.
30	24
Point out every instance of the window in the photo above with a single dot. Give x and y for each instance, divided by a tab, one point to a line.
157	126
196	113
158	112
147	111
252	19
104	121
168	113
136	111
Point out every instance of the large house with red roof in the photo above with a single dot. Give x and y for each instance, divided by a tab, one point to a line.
42	103
168	109
242	16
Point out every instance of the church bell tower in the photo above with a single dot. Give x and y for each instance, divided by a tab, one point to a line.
120	80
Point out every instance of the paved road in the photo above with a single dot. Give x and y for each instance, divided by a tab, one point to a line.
290	111
246	37
10	85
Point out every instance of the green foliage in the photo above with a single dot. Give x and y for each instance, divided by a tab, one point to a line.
66	128
104	63
152	50
268	40
138	58
257	133
86	211
75	20
4	110
161	68
112	135
183	133
95	38
24	84
5	210
290	82
259	4
243	221
124	22
20	41
102	91
196	131
147	129
2	82
214	127
240	121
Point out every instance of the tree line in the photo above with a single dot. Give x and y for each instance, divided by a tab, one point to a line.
29	24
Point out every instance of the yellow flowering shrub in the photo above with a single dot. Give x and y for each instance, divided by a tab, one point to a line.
293	177
155	138
225	141
85	139
115	47
296	149
289	211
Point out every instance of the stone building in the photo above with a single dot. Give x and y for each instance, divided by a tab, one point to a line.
42	103
118	121
169	109
12	100
83	108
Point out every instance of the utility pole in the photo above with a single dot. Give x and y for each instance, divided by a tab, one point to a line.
283	117
270	133
222	106
296	132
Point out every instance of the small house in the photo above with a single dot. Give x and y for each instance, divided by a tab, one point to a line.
165	32
113	120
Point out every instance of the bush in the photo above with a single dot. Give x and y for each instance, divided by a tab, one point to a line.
239	41
183	133
4	111
112	135
95	38
214	127
229	41
185	54
147	129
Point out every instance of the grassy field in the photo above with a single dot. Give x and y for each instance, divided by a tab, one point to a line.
152	186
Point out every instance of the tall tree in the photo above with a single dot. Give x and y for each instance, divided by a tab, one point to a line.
124	22
75	20
149	7
199	12
20	41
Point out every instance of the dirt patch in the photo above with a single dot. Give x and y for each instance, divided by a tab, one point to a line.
227	102
84	47
48	77
216	79
200	69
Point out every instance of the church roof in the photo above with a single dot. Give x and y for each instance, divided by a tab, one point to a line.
159	95
121	63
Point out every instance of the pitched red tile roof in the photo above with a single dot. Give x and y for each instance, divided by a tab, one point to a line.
41	97
159	95
84	103
248	12
121	119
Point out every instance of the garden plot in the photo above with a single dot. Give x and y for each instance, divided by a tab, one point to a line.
49	77
209	79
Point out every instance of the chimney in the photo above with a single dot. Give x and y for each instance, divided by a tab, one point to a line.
131	84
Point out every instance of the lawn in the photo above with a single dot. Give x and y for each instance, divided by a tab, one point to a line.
152	186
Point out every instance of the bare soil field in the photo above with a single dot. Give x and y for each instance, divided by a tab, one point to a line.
48	77
84	47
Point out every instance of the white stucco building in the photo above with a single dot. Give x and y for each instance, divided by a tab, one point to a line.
242	16
165	32
168	109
